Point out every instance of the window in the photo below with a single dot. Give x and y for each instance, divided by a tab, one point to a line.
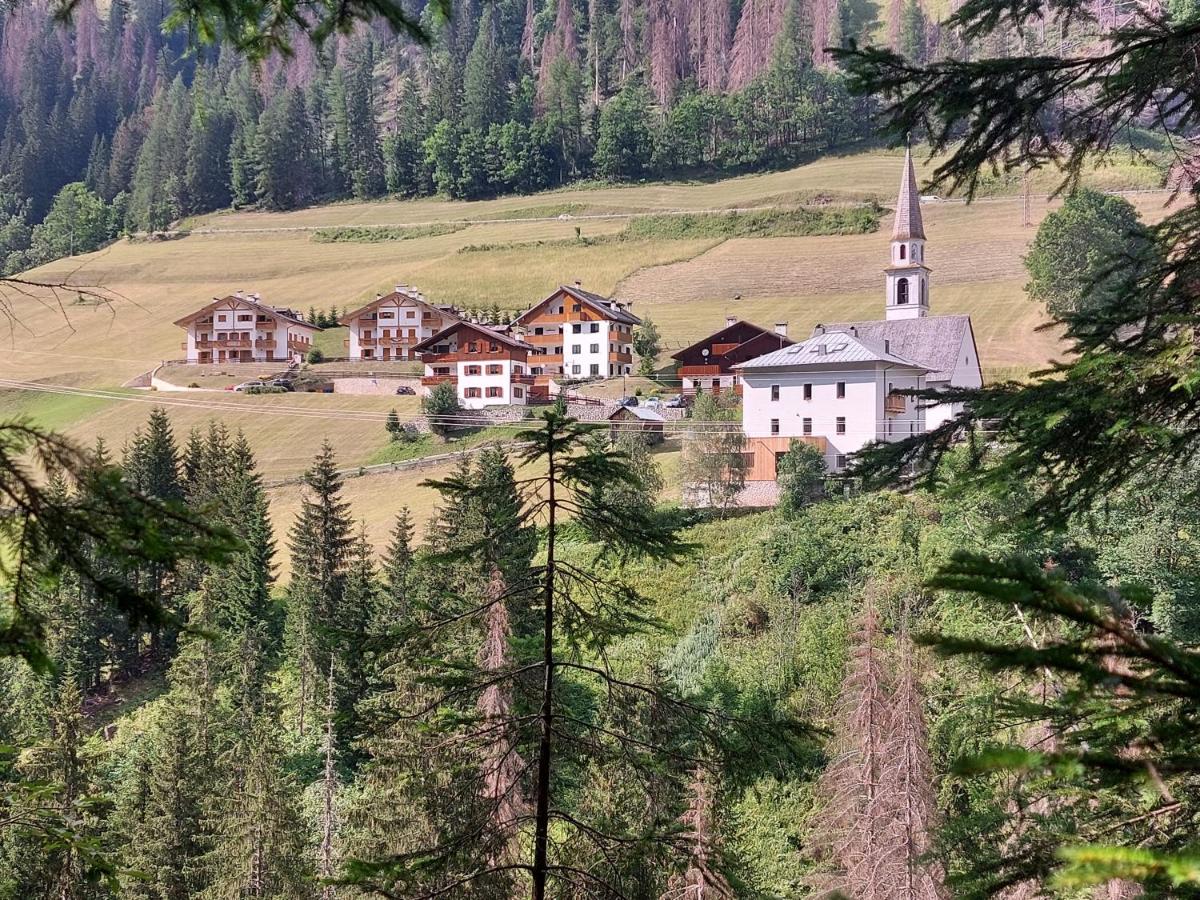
595	328
493	347
903	247
473	370
808	392
924	299
902	291
716	384
472	347
387	315
472	392
841	461
245	318
575	348
807	423
595	369
495	392
518	393
774	426
575	307
595	348
410	314
841	425
774	392
576	328
495	369
841	390
539	330
575	369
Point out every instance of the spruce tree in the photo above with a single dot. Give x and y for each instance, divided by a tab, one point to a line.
485	79
320	541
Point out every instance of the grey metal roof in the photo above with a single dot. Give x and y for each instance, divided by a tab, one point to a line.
932	341
908	205
829	349
647	415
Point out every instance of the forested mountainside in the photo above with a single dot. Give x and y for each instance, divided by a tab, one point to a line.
353	715
130	128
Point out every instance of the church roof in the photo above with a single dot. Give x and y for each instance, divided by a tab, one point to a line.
829	349
932	341
908	205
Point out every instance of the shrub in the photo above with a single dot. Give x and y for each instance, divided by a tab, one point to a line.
314	356
266	389
441	401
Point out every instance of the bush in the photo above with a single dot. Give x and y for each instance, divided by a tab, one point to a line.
442	400
314	356
266	389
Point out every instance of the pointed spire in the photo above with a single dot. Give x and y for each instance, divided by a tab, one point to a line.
908	204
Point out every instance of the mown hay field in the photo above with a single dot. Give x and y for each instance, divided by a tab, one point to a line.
687	285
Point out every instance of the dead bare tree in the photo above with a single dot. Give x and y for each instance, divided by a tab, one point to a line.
701	880
710	44
501	766
752	41
853	826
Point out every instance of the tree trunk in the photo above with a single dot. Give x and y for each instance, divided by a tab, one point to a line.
542	801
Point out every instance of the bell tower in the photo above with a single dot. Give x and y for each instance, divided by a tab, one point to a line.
907	277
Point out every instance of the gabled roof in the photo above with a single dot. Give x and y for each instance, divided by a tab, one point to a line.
822	350
746	331
399	295
646	415
599	304
482	330
932	341
908	205
233	300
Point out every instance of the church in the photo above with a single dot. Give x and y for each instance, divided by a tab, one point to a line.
839	388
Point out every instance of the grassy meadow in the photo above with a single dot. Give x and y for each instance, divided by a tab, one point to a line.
686	284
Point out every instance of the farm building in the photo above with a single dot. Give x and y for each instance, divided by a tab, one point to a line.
636	420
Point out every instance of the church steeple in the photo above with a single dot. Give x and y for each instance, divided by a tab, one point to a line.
907	277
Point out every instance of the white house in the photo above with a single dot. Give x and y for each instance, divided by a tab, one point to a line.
487	367
839	388
578	334
392	324
241	328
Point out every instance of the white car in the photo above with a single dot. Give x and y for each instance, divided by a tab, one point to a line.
246	385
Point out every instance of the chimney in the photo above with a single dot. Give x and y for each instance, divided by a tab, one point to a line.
379	296
854	330
400	288
819	329
239	295
730	321
781	329
578	283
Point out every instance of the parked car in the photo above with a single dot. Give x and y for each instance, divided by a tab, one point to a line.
629	401
652	403
285	383
675	402
405	390
246	385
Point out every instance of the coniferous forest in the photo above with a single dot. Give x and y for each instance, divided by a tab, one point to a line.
111	125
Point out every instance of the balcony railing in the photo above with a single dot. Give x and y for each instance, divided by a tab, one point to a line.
265	343
431	380
522	379
298	346
895	404
366	342
698	371
226	344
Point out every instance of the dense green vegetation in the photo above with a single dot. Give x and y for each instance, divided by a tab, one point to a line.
373	235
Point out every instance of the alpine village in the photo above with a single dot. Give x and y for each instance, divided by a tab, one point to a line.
599	450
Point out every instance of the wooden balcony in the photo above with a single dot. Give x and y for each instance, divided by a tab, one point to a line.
698	371
299	346
431	380
522	379
265	343
895	404
480	356
226	344
366	342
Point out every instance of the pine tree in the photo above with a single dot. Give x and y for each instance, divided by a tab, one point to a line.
283	152
395	601
485	79
320	544
259	848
